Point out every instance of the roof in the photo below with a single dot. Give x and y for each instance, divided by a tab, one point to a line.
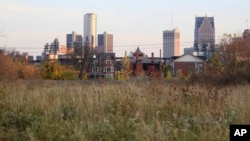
148	60
188	58
199	21
138	51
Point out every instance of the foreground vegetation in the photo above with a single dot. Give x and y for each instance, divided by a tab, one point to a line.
86	110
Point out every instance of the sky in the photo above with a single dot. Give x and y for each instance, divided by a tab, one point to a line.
27	25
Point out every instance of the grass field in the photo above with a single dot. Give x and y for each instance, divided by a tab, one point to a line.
107	111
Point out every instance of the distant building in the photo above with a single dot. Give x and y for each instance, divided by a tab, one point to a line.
51	51
141	65
188	50
246	35
204	30
30	59
52	48
186	64
73	40
171	43
39	58
204	36
105	42
90	29
103	65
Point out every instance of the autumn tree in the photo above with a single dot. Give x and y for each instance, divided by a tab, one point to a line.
55	71
8	69
125	69
15	66
231	63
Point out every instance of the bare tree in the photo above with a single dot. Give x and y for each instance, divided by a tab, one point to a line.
80	58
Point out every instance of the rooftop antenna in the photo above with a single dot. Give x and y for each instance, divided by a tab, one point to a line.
171	20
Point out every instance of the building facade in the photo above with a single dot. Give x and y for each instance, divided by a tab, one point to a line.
73	40
103	65
90	29
204	36
246	35
171	43
105	42
186	64
141	65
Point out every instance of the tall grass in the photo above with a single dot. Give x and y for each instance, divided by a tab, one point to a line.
76	110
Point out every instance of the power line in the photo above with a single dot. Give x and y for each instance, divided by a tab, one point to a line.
120	47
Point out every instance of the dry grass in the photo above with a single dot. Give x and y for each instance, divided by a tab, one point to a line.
76	110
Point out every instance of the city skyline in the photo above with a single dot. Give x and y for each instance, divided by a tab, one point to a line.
29	24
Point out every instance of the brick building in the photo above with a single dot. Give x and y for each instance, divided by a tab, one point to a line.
186	64
141	65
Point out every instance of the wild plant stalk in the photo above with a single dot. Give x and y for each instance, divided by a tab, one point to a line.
76	110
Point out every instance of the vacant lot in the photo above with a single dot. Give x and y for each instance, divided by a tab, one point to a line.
138	110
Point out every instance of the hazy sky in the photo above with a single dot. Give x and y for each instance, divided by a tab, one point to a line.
29	24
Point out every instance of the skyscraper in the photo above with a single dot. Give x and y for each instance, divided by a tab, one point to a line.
90	27
105	42
204	30
73	40
171	43
204	35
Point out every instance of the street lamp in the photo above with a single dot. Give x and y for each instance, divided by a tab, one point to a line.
94	62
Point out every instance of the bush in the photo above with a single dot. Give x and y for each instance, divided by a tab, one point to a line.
55	71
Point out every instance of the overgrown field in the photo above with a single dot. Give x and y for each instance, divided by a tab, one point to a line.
107	111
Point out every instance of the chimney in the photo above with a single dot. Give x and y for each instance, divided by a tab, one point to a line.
152	57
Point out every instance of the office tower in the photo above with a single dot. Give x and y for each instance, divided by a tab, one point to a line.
90	33
204	36
171	43
105	42
73	40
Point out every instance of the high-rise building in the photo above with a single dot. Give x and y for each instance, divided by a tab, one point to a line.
105	42
204	30
171	43
90	27
73	40
204	36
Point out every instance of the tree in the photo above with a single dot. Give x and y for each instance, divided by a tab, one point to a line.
8	69
80	58
125	68
166	71
53	70
14	66
231	64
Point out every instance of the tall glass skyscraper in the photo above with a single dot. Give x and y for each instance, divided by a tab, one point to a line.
73	40
204	32
90	29
204	36
171	43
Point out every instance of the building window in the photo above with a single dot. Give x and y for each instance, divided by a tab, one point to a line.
108	69
108	61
